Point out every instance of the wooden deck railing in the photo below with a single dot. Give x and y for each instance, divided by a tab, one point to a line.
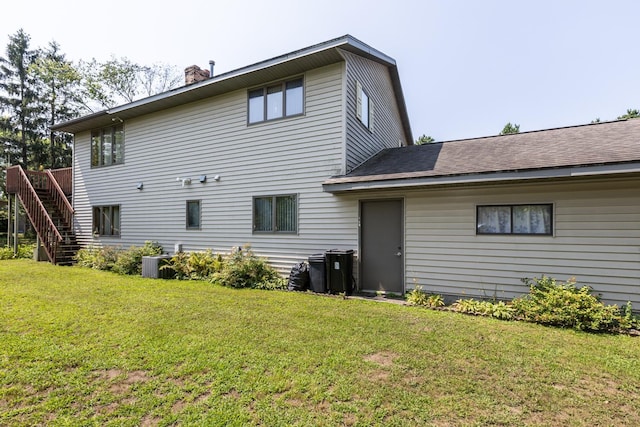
63	178
19	183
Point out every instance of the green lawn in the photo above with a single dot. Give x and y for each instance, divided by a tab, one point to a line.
82	347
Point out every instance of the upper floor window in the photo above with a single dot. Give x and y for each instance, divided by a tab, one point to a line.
515	219
276	101
107	146
364	107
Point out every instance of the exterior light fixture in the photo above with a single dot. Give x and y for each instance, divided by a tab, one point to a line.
139	186
202	179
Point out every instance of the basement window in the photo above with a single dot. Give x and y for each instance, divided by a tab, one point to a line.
515	219
276	101
275	214
106	220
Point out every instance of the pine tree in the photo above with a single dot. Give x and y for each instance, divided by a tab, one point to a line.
18	97
60	94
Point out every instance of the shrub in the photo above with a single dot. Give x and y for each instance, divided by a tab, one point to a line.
499	310
24	251
111	258
418	297
98	258
195	265
130	260
243	269
563	304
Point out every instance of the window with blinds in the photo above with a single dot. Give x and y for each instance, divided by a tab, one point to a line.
106	220
275	214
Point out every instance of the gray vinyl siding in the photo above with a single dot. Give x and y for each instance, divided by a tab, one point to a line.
211	137
387	125
596	240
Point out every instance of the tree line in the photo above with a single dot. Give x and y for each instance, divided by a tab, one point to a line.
40	87
510	128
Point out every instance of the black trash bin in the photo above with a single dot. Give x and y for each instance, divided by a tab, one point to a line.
339	270
317	280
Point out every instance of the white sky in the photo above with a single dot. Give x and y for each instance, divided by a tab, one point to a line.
467	67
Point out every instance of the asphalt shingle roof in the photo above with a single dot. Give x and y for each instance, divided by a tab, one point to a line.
595	144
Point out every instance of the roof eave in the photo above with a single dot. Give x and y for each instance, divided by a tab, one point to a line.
196	91
340	185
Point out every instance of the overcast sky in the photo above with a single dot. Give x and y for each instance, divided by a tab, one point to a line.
467	67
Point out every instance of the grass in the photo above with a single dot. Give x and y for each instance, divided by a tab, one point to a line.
83	347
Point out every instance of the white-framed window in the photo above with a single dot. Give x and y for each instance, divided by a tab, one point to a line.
534	219
284	99
107	146
106	220
364	107
275	214
193	215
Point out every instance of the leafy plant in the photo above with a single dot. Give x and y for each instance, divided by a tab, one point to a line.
564	304
97	258
130	261
24	251
243	269
499	309
195	265
112	258
418	297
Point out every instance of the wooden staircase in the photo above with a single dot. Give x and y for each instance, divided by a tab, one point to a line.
45	198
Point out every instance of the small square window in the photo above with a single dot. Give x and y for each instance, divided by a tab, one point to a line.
193	214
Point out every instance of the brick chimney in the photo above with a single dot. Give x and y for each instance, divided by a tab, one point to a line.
195	74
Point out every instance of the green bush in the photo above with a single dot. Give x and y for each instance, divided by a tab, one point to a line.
418	297
499	309
564	304
111	258
24	251
195	265
243	269
130	261
98	258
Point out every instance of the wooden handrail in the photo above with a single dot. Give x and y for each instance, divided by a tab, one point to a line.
60	199
21	184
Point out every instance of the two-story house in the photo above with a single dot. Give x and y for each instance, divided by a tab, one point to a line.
312	151
240	157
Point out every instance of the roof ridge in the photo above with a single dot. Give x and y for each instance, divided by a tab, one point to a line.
531	131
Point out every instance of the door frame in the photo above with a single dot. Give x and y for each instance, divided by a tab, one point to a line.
403	268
